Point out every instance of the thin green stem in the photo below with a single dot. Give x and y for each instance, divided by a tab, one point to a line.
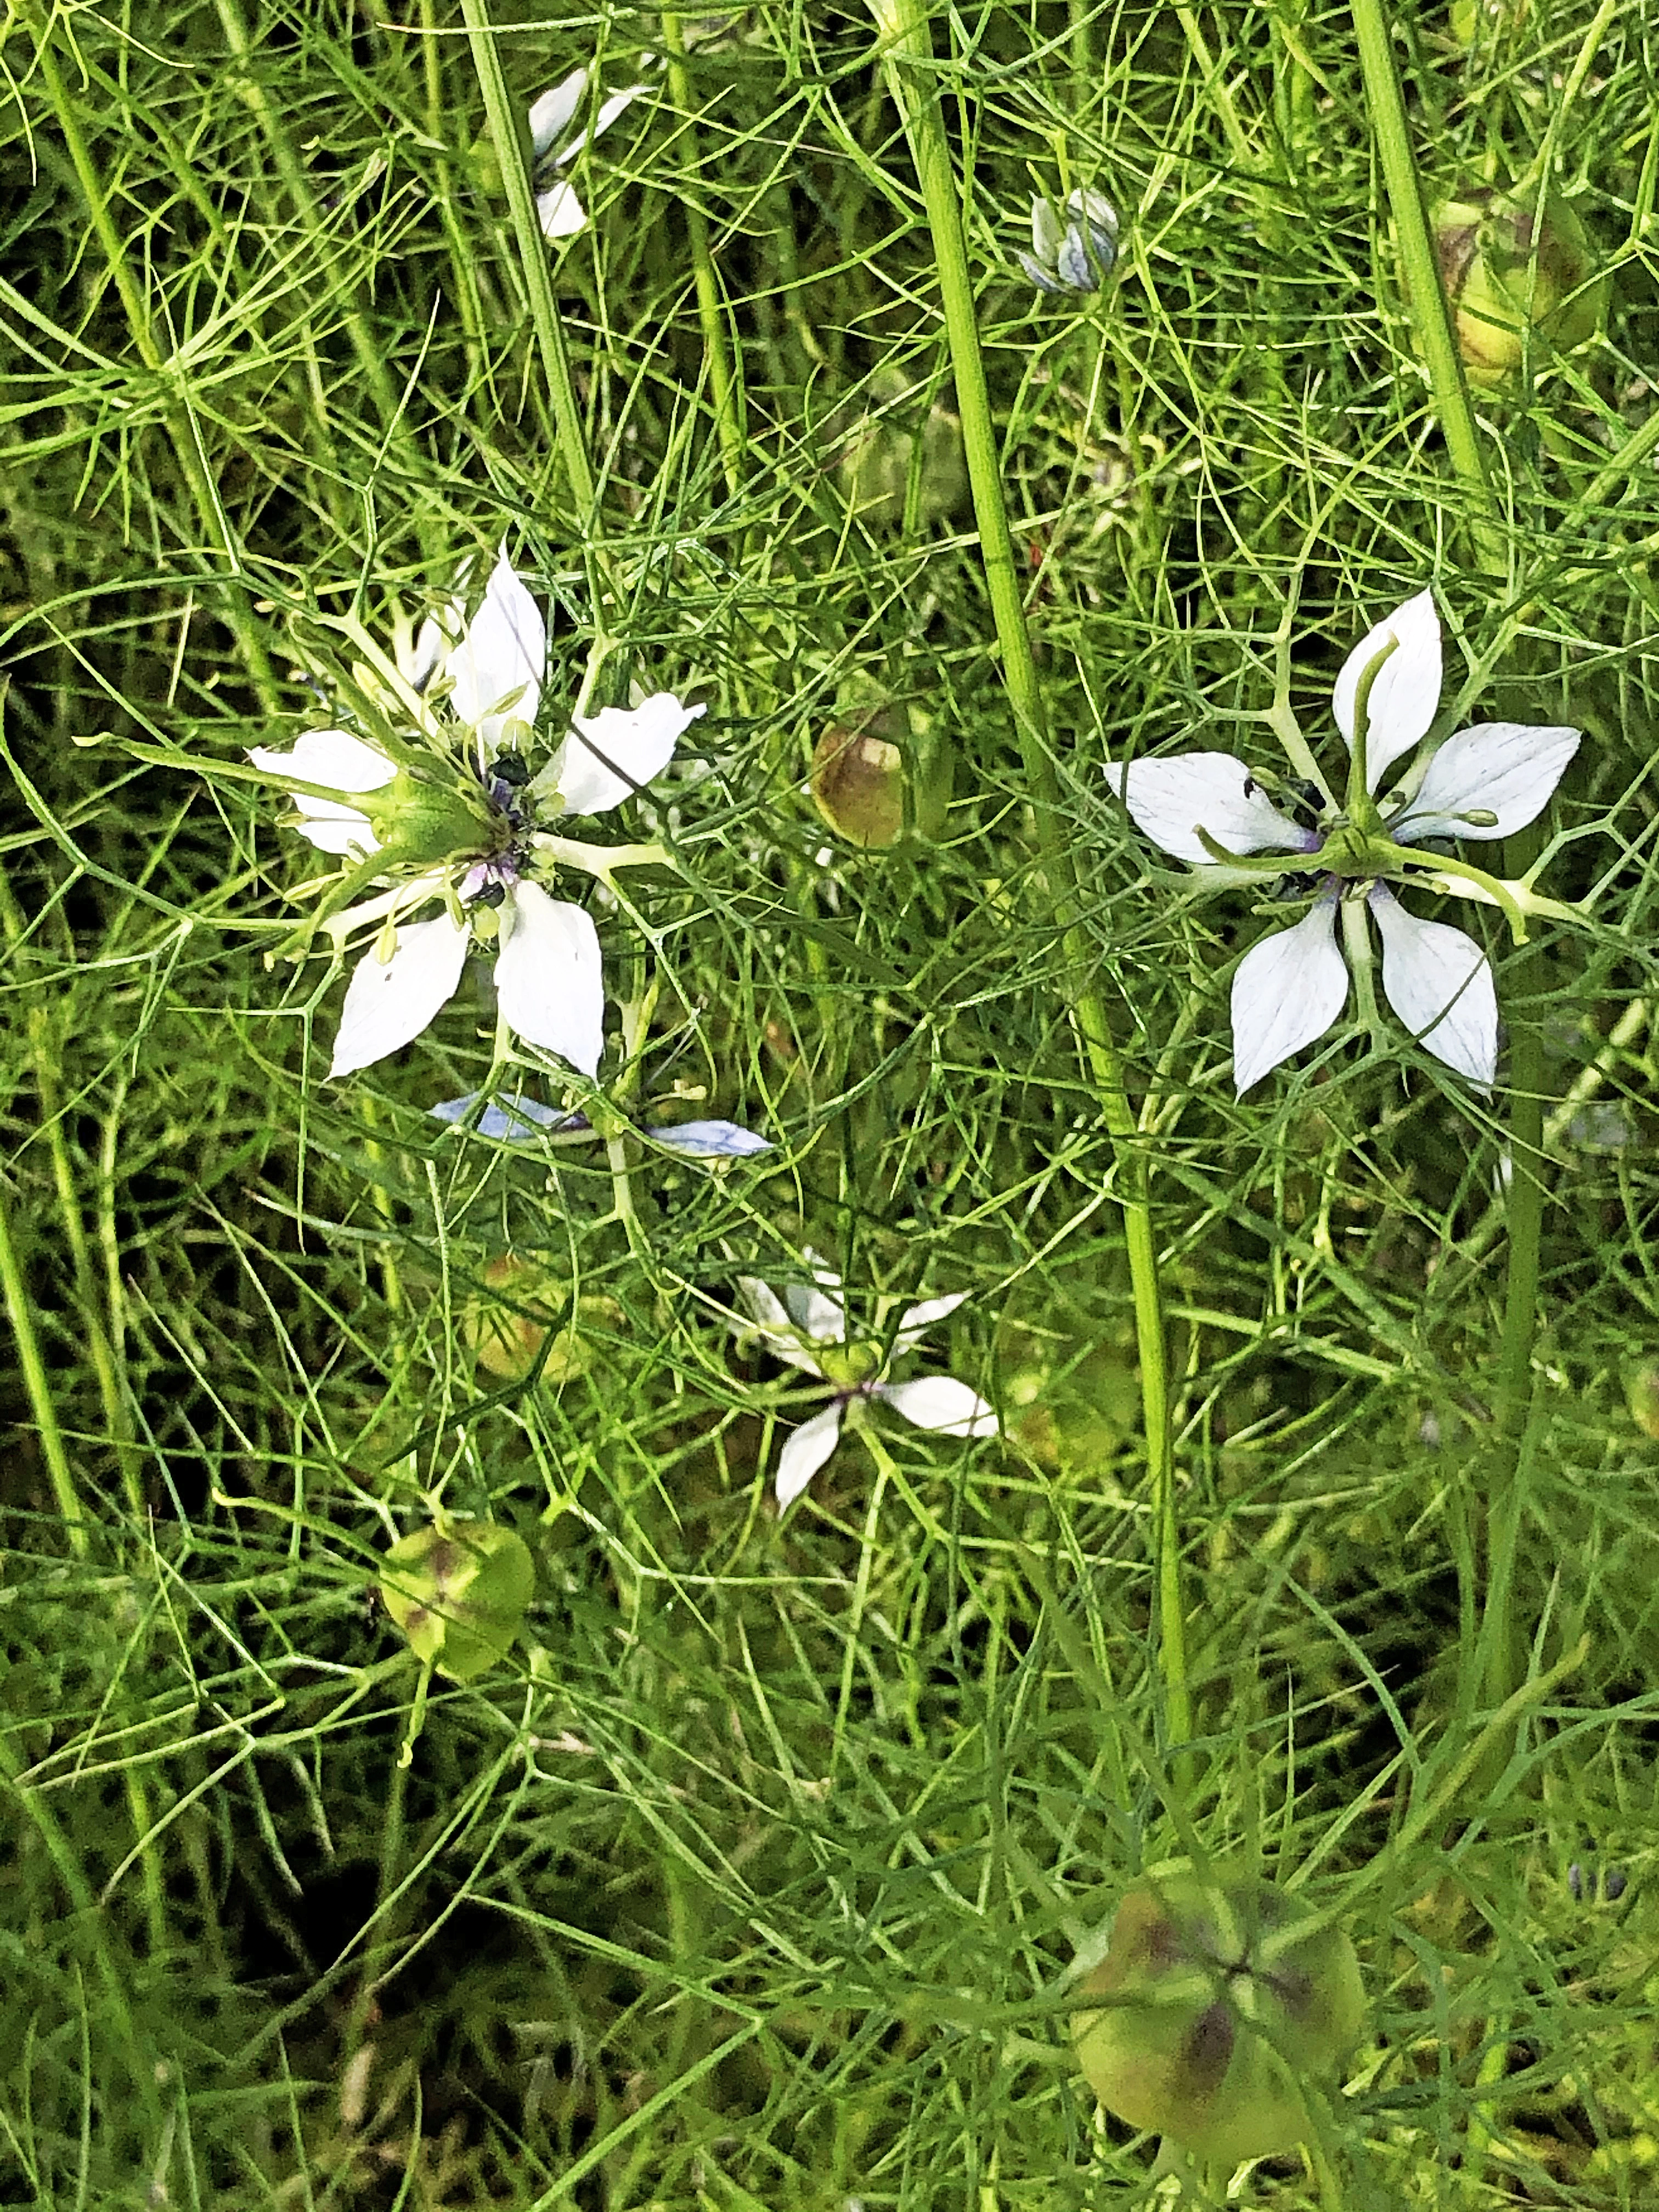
911	74
13	1288
509	130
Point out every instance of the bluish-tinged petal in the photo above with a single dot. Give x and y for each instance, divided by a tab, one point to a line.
1046	232
710	1141
768	1319
1406	696
805	1452
514	1119
819	1315
1039	275
1505	769
610	755
549	977
1170	801
496	671
559	212
1287	990
916	1321
552	116
388	1004
940	1403
1436	979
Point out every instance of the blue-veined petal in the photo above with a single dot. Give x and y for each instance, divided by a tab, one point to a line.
1505	769
710	1141
1170	801
514	1119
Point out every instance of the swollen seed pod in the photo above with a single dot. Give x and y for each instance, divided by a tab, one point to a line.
1215	2013
1514	275
459	1594
880	781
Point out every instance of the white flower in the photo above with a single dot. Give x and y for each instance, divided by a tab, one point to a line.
561	212
1483	783
548	974
1074	254
806	1328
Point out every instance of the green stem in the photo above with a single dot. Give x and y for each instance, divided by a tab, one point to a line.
21	1313
711	313
509	131
912	78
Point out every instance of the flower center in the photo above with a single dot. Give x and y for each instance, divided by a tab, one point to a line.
850	1367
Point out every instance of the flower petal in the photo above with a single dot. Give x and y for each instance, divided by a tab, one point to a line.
496	669
940	1403
559	212
916	1321
1406	696
389	1003
1436	979
552	116
768	1318
610	755
1171	800
1505	769
1287	990
548	978
805	1453
514	1119
710	1141
613	105
338	760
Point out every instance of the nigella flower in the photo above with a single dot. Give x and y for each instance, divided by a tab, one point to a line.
1484	782
807	1329
454	814
553	144
516	1120
1073	252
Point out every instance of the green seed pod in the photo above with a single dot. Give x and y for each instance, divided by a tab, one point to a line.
879	782
877	448
1641	1396
1219	2011
1511	276
420	821
459	1594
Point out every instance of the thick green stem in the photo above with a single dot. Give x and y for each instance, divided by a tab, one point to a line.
907	55
509	130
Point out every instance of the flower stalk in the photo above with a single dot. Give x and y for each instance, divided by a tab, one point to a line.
912	77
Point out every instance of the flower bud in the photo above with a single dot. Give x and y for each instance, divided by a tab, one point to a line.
1075	252
1511	275
877	782
1219	2012
459	1594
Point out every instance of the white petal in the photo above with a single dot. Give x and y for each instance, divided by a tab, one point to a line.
610	755
1046	231
1506	768
388	1004
548	976
1172	799
1287	990
805	1453
940	1403
916	1321
613	105
496	669
771	1321
1436	979
550	116
334	829
560	213
710	1141
1406	696
333	758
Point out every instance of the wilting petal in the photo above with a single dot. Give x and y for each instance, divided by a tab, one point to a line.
548	976
940	1403
388	1004
916	1321
496	671
1287	990
1170	801
710	1141
805	1453
552	116
610	755
769	1319
560	213
1436	979
514	1119
1406	696
1506	768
